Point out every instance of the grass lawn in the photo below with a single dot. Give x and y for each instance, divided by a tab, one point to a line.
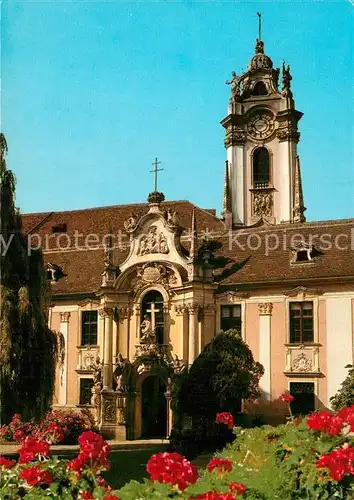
127	465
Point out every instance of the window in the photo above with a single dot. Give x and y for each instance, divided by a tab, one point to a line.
59	228
261	167
303	255
54	272
86	385
301	322
304	397
230	317
89	328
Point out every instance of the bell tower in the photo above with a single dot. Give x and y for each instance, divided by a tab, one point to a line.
262	173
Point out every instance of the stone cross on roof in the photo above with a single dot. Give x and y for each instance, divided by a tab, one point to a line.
155	171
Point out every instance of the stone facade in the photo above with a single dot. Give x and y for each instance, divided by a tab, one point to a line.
140	303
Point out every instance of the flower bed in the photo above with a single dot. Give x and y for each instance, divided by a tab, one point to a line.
306	458
58	426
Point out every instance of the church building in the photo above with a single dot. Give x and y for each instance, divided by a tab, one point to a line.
138	290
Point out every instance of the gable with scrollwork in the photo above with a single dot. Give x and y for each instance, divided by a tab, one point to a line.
154	237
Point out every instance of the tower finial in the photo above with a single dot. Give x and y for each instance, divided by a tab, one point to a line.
194	237
259	25
227	201
227	198
299	207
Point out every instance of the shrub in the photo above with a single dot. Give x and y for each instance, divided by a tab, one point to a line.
58	426
345	395
223	374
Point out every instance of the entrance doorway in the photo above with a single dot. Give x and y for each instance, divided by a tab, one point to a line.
153	408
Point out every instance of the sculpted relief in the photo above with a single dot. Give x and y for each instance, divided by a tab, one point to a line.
150	273
262	204
153	242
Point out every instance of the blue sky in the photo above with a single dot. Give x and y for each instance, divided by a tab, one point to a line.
93	91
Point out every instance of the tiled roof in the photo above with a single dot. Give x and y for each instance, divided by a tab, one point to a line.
264	254
243	258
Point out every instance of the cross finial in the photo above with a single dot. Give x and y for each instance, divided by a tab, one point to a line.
259	25
155	171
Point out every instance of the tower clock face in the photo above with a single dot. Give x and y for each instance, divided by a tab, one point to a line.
261	125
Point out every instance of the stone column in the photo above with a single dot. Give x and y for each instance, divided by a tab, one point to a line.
209	327
108	396
168	395
265	312
63	374
100	332
107	349
193	332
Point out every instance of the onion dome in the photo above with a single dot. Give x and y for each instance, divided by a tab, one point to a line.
260	60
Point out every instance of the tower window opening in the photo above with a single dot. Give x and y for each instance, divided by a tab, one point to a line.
261	168
260	89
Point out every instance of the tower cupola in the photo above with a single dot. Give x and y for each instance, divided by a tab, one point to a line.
261	136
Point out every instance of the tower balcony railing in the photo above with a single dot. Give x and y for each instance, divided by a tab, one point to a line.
261	185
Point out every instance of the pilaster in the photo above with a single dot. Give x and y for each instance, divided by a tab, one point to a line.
265	313
63	380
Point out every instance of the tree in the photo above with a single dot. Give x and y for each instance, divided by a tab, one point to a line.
29	350
222	375
345	395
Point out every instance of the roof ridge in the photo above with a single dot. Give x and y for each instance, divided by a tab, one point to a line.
104	208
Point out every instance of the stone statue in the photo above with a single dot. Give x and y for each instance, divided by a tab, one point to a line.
97	368
147	335
120	368
162	244
177	365
235	85
131	222
96	402
286	79
172	218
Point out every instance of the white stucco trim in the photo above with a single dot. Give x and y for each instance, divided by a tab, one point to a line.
339	339
264	354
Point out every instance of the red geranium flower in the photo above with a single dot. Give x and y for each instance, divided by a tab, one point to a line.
34	475
325	422
7	464
339	462
225	418
237	488
86	495
19	435
110	497
286	397
172	468
33	449
77	464
220	464
213	495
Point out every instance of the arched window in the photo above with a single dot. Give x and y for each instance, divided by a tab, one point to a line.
261	167
152	314
260	89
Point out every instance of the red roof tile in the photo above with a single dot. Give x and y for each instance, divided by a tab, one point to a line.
243	258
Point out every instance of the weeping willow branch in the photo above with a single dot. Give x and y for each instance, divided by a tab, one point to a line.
29	350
